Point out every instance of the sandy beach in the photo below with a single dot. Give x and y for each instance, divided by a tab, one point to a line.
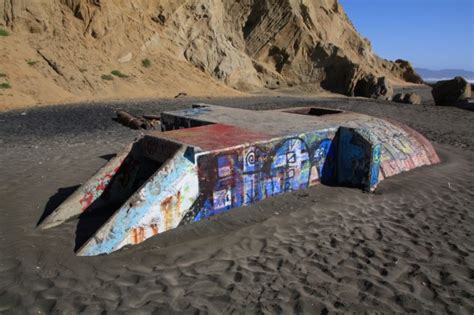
406	248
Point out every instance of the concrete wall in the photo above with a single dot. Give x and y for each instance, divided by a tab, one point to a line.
245	174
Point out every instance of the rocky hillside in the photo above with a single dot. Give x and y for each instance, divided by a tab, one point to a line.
65	50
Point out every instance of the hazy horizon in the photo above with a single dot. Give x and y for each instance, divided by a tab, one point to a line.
431	34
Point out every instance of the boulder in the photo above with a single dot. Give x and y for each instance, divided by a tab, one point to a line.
409	98
383	89
126	58
406	71
412	98
399	98
372	87
451	92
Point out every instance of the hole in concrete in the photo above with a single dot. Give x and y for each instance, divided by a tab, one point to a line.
314	111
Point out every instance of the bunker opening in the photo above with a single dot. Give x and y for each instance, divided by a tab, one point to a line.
349	161
314	111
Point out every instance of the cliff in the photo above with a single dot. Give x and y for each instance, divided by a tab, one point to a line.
65	50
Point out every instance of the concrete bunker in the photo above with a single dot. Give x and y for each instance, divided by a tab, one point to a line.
210	159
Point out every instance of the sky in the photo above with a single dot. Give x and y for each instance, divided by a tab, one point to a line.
433	34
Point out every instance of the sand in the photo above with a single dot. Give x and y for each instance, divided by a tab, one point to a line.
407	248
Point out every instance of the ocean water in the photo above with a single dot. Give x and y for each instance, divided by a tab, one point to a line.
431	80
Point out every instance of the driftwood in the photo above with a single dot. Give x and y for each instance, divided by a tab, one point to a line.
181	94
152	117
146	122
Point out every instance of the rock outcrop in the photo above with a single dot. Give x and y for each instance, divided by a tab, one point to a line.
451	92
372	87
405	70
409	98
246	45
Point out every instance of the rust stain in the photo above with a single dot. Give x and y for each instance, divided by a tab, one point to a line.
154	229
142	234
178	202
138	235
166	208
135	236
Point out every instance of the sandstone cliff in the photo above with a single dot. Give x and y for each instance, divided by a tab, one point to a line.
64	50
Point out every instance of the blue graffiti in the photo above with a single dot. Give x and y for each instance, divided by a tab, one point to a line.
290	168
321	154
375	169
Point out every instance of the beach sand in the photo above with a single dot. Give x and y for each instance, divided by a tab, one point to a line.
406	248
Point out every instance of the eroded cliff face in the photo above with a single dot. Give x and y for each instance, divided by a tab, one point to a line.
199	46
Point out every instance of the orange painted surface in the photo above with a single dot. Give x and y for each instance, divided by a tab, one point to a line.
154	229
167	210
138	235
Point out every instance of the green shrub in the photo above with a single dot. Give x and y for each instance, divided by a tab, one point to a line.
119	74
107	77
31	62
146	63
3	32
2	75
5	85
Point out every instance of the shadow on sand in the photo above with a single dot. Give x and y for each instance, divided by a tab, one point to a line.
55	200
90	222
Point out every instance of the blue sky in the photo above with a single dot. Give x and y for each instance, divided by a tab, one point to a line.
433	34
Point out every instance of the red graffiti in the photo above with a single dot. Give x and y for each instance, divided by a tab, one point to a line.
214	137
104	182
86	200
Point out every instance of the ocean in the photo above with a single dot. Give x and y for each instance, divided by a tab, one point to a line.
431	80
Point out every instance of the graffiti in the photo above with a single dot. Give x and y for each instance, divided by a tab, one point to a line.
102	186
375	169
164	200
401	147
87	199
324	152
290	167
353	166
168	179
244	175
321	153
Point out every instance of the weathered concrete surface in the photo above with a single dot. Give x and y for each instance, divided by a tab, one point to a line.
159	205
